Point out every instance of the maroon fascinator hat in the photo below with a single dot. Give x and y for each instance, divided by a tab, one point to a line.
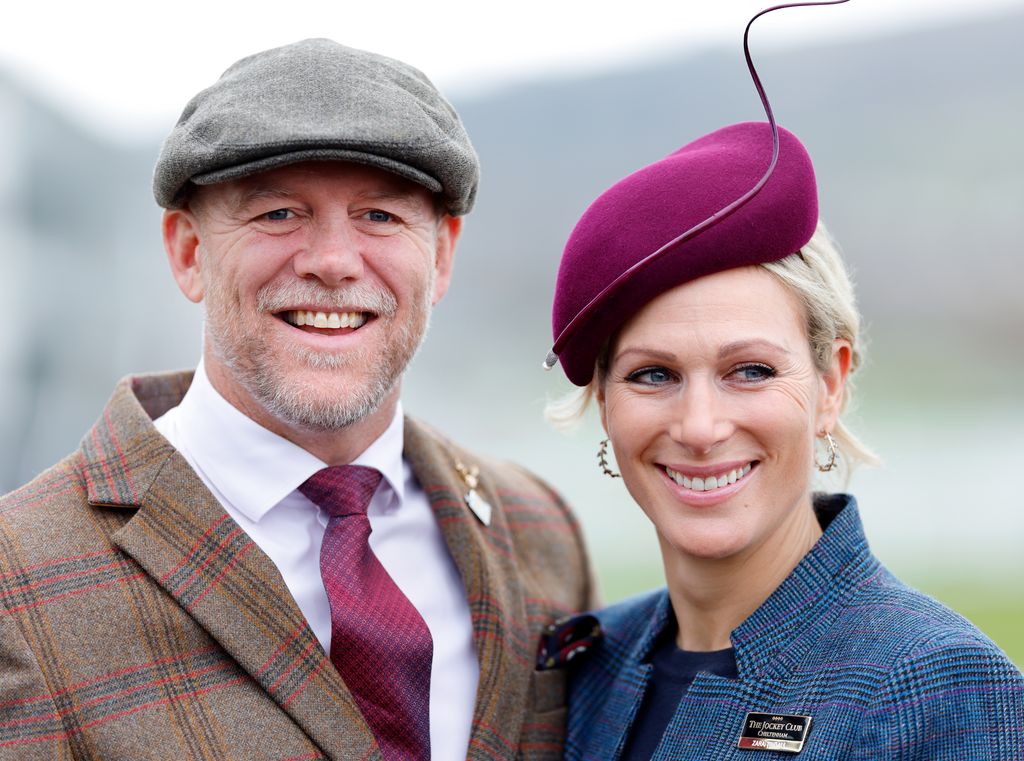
741	195
627	249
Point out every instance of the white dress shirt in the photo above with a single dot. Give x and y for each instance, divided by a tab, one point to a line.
255	475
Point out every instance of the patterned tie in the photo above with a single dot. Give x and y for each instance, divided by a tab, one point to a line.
379	642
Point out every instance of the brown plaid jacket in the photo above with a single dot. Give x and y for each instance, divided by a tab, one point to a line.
138	621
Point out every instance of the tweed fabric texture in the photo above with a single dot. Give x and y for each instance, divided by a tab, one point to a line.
316	100
884	671
138	621
644	211
379	642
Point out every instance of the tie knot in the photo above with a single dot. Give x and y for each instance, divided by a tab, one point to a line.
342	489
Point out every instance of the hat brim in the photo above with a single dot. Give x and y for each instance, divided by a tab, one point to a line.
249	168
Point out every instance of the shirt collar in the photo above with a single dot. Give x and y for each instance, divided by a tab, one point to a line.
254	468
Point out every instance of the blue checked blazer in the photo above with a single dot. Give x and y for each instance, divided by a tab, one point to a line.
885	672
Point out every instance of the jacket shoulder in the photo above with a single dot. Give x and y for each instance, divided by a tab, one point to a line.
939	688
45	500
902	619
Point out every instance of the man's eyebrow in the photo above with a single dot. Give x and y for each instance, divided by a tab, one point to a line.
398	196
258	193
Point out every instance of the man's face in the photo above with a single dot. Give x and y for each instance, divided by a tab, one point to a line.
318	280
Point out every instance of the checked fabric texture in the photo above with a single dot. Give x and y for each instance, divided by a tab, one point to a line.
379	642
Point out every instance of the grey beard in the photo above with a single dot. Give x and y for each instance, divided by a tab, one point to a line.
301	406
326	414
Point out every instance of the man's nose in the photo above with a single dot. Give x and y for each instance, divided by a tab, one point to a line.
332	252
699	420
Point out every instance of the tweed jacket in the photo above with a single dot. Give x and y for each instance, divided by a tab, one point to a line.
138	621
884	672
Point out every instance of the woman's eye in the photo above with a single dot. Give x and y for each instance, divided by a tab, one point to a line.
650	376
753	373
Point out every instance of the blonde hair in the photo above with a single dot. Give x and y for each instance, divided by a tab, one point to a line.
817	276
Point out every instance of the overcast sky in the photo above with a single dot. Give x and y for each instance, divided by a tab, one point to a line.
128	68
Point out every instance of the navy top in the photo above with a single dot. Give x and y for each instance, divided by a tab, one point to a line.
673	671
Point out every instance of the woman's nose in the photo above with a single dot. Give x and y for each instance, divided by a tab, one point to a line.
698	419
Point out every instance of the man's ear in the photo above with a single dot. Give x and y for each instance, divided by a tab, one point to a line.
449	229
181	242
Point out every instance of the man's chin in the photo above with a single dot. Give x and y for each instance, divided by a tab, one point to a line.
305	405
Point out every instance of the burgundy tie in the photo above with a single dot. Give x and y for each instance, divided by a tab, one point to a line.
379	642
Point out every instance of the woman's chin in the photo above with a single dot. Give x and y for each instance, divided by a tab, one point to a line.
703	543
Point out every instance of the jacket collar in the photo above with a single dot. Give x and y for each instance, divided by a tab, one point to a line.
771	638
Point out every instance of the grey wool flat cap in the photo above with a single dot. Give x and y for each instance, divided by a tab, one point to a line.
315	100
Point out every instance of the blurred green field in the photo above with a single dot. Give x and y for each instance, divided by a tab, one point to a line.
996	609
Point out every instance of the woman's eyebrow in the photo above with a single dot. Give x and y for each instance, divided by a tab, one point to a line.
750	343
655	354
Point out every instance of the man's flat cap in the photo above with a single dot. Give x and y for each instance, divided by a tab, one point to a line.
607	274
316	100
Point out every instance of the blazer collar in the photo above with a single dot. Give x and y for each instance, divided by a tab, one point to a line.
181	536
770	639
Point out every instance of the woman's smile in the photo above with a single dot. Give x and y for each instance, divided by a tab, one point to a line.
705	490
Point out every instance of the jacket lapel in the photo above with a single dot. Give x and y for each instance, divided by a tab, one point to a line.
486	561
181	536
626	692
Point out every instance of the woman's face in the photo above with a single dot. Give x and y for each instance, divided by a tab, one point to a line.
712	403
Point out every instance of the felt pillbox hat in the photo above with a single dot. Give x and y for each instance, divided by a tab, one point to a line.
607	273
317	100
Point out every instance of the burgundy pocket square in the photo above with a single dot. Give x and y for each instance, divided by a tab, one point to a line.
566	639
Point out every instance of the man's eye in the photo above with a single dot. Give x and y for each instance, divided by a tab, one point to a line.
752	373
376	215
278	215
650	376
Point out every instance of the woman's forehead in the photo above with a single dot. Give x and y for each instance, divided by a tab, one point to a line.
726	308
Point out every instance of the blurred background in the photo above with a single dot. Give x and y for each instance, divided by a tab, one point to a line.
912	115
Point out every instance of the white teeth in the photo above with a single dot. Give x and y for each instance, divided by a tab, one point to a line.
711	482
325	319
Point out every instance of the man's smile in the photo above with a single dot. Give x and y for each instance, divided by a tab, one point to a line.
316	319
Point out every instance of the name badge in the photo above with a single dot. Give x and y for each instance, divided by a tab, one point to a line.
774	731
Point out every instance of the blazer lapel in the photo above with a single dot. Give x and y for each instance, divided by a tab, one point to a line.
485	559
187	543
626	693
